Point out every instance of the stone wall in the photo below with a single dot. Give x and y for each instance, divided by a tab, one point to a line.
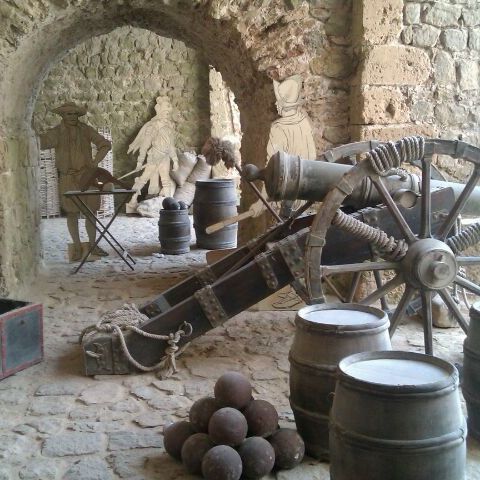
118	76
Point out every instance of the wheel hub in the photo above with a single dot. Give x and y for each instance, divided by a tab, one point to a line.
430	264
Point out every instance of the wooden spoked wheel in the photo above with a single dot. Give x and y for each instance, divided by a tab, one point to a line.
428	263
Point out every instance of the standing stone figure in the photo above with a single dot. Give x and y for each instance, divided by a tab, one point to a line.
292	132
155	146
72	141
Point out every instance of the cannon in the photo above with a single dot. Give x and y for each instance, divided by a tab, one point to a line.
399	221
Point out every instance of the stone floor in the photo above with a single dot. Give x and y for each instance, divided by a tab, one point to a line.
55	423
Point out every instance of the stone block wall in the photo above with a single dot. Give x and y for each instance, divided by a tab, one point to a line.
118	76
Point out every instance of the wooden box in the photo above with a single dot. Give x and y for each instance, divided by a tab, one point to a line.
21	335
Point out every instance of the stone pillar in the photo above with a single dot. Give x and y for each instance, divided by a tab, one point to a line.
387	69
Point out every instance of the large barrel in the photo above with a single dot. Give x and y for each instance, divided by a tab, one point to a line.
397	416
471	372
215	200
174	231
324	335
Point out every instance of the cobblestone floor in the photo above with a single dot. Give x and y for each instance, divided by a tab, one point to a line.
55	423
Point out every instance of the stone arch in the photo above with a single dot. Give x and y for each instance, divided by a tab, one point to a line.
46	35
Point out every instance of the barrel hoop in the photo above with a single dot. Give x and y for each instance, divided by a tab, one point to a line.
268	274
211	306
442	442
341	330
318	417
293	255
317	369
469	352
205	276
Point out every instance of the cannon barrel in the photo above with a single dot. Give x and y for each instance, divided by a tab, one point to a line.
289	177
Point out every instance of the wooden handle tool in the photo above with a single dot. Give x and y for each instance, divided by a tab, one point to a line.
225	223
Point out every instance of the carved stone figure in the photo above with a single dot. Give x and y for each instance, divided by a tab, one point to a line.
72	141
155	146
292	132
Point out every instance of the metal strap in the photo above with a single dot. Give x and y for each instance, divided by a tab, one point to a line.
344	186
267	271
205	276
211	306
293	256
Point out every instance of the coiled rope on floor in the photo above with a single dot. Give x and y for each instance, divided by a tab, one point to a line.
129	318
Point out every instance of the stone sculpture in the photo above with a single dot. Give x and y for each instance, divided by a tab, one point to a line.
156	154
292	132
72	141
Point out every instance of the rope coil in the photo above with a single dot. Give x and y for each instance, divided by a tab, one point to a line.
129	318
465	239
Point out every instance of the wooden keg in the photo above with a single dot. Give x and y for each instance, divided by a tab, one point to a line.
174	232
397	416
471	372
324	335
215	200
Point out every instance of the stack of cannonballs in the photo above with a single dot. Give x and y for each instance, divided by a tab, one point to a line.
169	203
232	435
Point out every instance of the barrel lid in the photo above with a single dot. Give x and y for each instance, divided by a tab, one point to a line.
400	371
341	316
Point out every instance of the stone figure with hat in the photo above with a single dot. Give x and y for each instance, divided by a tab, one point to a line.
72	141
292	132
156	155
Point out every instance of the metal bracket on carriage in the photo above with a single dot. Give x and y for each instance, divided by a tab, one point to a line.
293	255
263	262
211	306
206	276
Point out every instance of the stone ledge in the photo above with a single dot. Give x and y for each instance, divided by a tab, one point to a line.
391	132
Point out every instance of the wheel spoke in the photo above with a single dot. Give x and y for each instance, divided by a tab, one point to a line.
394	210
465	261
425	229
381	292
455	311
459	204
467	284
354	286
426	296
334	289
359	267
401	309
378	282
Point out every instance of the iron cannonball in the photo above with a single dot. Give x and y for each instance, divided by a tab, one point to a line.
289	448
174	436
169	203
193	451
227	426
201	412
183	205
258	457
233	389
222	463
262	418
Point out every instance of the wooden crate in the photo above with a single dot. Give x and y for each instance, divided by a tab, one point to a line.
21	335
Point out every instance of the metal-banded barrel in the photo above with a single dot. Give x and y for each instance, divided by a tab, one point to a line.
215	200
174	231
471	371
324	335
397	416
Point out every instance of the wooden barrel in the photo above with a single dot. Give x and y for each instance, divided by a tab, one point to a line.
174	232
324	335
215	200
471	372
397	416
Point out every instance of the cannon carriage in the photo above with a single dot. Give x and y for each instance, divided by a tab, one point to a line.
374	216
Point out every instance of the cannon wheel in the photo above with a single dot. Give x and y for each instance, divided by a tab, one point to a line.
427	263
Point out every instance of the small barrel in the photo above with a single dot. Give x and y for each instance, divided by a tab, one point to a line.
397	416
471	372
324	335
174	232
215	200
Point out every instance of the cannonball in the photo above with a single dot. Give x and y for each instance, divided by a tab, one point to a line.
289	448
262	418
258	457
227	426
174	436
233	389
183	205
222	463
200	413
193	451
170	203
